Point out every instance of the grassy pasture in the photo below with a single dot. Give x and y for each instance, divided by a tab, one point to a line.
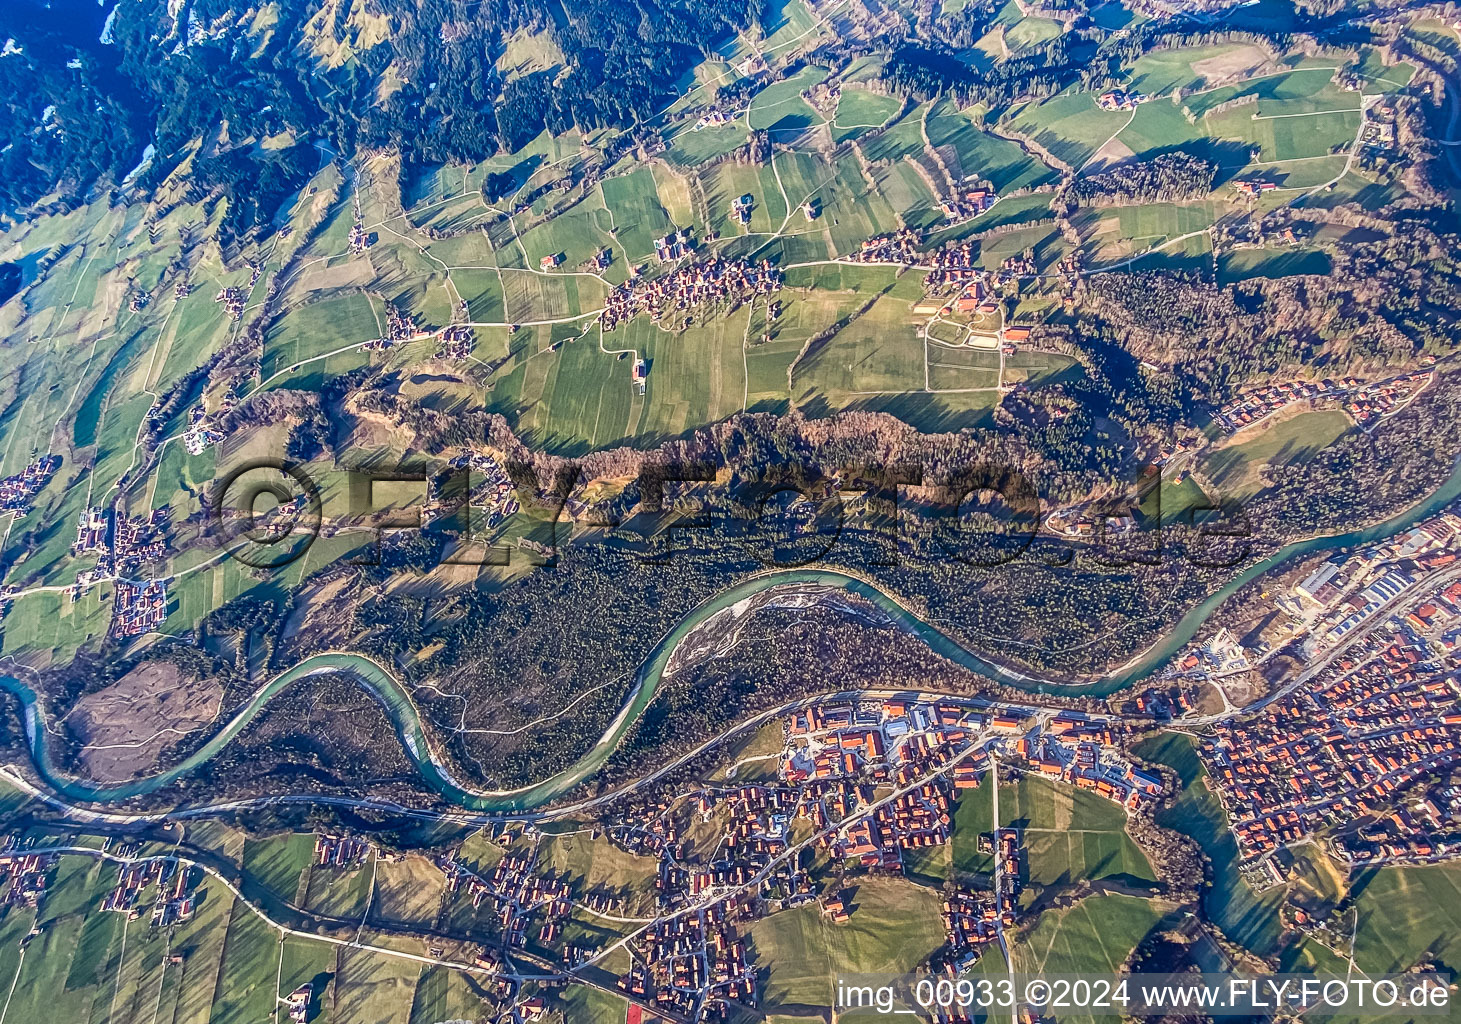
637	218
691	148
1035	368
580	395
1070	125
894	925
1247	263
1191	66
878	352
851	212
1070	834
903	139
1044	239
1405	912
859	110
725	183
576	235
279	862
311	331
972	154
51	622
780	107
1031	31
1237	468
1302	90
1095	936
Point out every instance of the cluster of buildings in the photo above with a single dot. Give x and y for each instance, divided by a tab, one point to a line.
1082	751
911	821
1375	401
138	607
341	851
401	326
141	538
28	874
93	531
1170	699
836	755
1252	406
360	239
741	208
1119	99
233	301
957	266
1348	753
895	740
175	899
490	489
969	925
705	281
200	435
1020	265
1219	654
968	205
454	342
1347	591
676	245
16	492
1006	849
519	894
901	247
1377	133
1341	754
297	1002
712	118
1364	402
503	988
1254	186
694	963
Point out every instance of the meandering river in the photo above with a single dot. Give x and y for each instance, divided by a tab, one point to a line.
396	699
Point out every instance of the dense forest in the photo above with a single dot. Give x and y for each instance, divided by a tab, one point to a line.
86	90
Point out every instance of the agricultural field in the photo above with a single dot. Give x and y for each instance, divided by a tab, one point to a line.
781	108
1093	937
894	925
565	387
859	110
972	153
1246	263
1071	127
1111	234
1237	466
1405	913
636	217
1068	835
878	353
147	308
